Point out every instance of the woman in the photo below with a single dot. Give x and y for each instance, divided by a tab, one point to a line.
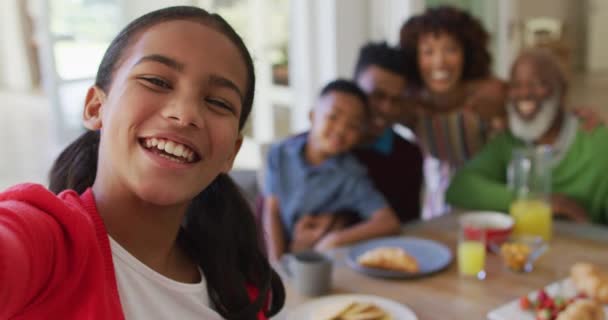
449	78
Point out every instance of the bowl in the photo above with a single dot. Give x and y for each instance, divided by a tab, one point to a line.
519	253
496	226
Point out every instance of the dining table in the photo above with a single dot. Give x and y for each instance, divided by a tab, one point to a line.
446	294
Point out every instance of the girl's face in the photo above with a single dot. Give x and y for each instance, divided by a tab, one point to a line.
170	121
440	60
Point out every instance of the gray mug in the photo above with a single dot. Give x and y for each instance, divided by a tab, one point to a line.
310	272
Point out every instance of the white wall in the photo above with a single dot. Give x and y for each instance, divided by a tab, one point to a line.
572	13
15	72
136	8
597	50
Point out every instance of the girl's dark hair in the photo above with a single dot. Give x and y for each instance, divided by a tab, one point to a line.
219	230
466	29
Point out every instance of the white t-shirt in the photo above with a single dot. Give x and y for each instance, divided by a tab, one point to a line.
146	294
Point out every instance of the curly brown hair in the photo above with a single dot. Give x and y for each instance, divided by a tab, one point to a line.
465	29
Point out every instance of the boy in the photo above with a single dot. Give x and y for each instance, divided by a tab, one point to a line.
311	178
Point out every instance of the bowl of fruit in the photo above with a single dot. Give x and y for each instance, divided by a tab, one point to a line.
519	253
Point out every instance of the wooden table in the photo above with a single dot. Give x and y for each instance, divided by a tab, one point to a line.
446	295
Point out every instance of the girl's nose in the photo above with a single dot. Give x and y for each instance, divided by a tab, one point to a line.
183	112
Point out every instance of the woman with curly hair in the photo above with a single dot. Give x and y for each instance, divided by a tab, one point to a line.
448	72
452	102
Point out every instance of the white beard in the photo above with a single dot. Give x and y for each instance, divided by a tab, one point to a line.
531	130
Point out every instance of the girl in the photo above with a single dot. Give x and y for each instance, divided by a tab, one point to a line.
158	231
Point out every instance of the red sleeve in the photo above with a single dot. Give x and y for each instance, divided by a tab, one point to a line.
28	239
253	294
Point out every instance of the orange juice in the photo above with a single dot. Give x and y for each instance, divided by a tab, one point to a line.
532	217
471	257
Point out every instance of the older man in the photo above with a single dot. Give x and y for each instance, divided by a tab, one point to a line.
537	116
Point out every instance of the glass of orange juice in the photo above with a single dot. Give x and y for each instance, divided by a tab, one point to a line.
472	252
529	176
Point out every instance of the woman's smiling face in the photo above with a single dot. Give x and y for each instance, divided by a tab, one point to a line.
170	120
440	61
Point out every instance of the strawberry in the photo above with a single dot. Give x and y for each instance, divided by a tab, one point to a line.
524	303
560	303
542	295
548	303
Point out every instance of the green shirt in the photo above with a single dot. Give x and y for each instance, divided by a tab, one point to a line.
581	173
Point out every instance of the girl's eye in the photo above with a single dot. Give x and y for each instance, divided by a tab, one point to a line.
220	104
157	82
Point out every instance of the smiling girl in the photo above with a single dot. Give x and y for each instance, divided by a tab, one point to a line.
152	227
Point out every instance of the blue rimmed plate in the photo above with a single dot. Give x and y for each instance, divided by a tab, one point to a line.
432	256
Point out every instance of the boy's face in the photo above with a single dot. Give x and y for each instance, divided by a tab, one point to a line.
337	122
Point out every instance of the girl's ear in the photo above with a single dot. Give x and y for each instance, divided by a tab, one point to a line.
92	108
230	161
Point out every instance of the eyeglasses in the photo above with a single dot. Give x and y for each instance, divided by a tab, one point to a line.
380	96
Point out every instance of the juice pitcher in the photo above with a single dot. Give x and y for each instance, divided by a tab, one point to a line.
529	176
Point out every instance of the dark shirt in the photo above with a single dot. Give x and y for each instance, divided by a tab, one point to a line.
395	167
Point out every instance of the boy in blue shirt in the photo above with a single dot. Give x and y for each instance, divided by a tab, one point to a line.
312	177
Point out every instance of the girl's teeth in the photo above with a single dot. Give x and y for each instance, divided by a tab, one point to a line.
169	146
175	149
178	151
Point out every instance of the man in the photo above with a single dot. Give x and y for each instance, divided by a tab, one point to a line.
537	116
394	164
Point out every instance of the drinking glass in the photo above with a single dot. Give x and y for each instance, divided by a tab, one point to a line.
472	252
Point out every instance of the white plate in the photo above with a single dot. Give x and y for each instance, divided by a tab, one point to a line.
308	310
511	310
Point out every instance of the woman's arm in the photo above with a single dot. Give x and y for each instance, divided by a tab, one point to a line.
487	98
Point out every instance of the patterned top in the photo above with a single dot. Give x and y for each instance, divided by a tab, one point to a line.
453	137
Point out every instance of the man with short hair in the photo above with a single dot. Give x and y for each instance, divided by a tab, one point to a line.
393	163
537	116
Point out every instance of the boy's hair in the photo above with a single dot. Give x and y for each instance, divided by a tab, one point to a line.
348	87
219	231
381	55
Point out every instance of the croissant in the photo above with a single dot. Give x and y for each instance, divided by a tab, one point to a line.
591	281
584	309
358	311
389	258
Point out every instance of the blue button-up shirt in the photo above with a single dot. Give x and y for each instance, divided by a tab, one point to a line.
339	183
